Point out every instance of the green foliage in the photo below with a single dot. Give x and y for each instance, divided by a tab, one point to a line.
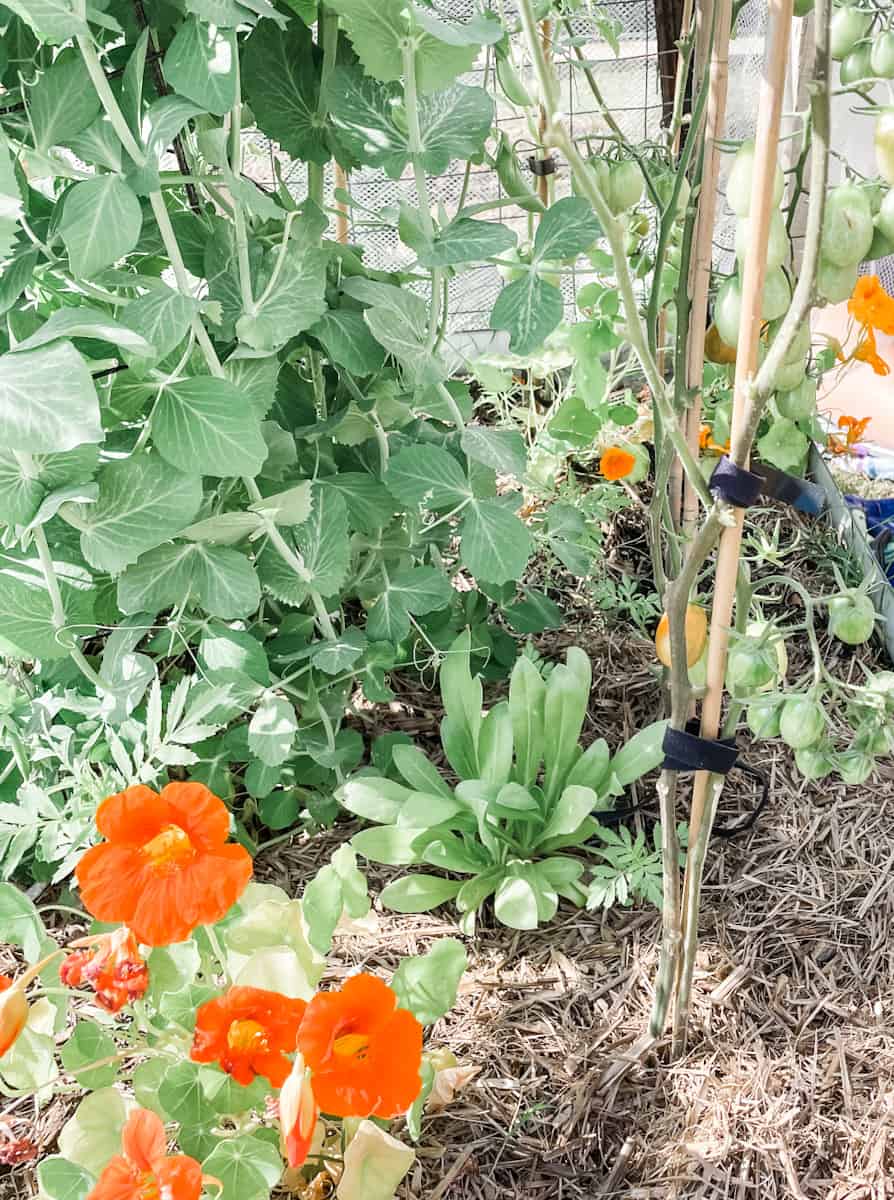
527	792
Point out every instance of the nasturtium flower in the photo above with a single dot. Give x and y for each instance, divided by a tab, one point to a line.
165	866
871	306
853	429
248	1032
13	1012
364	1052
867	351
616	463
298	1113
145	1171
112	964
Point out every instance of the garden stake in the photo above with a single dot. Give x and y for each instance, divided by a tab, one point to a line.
341	209
766	145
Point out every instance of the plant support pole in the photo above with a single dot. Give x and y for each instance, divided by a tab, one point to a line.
766	150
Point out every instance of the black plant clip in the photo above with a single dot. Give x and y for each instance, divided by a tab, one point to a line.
685	750
542	166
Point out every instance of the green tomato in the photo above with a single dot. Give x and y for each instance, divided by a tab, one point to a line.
847	225
763	718
738	186
854	766
852	618
674	256
722	422
799	404
752	664
884	221
847	27
884	144
814	762
836	284
802	722
777	295
625	185
880	247
728	310
882	55
639	223
777	244
856	68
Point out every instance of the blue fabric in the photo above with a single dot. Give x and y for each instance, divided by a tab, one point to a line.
879	516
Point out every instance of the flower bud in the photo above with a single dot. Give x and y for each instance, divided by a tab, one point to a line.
13	1012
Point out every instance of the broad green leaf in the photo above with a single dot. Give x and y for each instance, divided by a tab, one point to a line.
323	903
20	494
337	656
502	449
642	753
162	317
88	1044
529	309
419	772
93	1135
226	528
465	241
98	144
206	425
495	544
390	844
374	1164
569	812
131	98
60	1179
427	475
374	798
229	13
222	580
527	695
348	341
255	374
591	768
568	227
293	299
370	506
201	64
142	502
16	275
515	904
28	630
10	200
291	507
416	590
322	545
565	707
225	649
101	222
85	322
62	103
272	729
534	614
784	446
48	401
21	921
408	344
418	893
454	123
248	1167
427	985
281	82
182	1096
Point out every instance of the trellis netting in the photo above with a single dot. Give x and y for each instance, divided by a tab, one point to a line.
629	83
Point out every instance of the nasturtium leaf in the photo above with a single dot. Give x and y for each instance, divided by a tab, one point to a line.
93	1135
567	228
495	544
143	501
201	63
502	449
248	1167
783	445
347	340
529	309
60	1179
88	1044
322	545
419	893
62	102
161	316
48	401
427	475
205	424
574	423
465	240
84	322
281	80
182	1096
101	222
272	729
416	590
426	985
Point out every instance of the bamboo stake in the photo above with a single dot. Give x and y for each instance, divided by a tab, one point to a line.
700	273
341	209
766	149
546	40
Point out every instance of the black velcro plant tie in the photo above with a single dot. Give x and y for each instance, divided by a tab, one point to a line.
734	484
799	494
542	166
685	750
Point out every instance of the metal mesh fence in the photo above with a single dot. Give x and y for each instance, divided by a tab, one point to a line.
629	83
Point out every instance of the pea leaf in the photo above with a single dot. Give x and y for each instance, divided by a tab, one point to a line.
464	241
101	222
47	400
495	544
62	102
567	228
292	296
416	590
272	729
502	449
205	424
427	475
529	309
201	63
10	200
281	82
84	322
28	630
162	317
348	341
222	580
321	542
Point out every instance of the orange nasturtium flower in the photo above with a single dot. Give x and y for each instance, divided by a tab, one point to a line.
364	1052
112	964
616	463
706	440
854	428
248	1031
13	1012
165	866
871	306
145	1171
867	351
298	1113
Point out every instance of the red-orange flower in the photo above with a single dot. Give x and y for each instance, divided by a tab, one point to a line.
165	866
112	964
13	1012
616	463
854	429
870	304
363	1051
145	1171
867	351
298	1113
249	1032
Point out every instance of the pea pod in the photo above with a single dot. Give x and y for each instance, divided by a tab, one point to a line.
513	88
511	179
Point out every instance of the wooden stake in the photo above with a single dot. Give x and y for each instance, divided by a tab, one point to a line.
341	209
546	39
700	268
765	159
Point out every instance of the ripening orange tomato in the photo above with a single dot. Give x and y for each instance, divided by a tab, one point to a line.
696	636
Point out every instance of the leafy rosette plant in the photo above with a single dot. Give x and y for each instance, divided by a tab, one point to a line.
199	992
527	793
